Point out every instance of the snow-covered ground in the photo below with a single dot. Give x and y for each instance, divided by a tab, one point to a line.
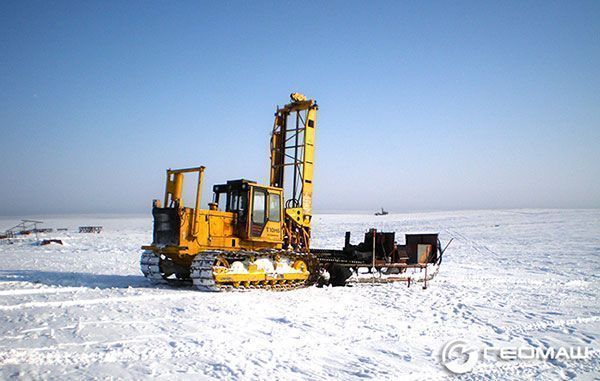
83	310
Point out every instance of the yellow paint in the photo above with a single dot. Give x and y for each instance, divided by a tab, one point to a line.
224	277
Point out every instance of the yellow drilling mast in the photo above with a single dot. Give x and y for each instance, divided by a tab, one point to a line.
293	145
250	237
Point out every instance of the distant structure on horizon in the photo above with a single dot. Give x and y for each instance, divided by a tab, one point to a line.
382	213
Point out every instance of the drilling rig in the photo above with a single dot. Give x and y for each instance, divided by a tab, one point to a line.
251	235
258	236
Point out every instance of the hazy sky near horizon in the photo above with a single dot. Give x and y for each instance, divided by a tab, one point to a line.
423	105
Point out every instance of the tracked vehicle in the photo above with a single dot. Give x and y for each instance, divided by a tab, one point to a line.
252	235
258	236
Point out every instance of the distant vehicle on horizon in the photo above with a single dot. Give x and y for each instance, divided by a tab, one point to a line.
382	213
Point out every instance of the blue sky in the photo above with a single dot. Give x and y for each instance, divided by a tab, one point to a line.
423	105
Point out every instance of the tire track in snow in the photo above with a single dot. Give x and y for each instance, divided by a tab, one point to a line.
32	291
87	302
83	324
108	343
528	327
110	351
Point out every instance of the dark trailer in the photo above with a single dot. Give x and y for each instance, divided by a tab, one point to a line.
381	252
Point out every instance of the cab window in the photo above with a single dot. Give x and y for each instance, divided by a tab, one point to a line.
220	199
258	207
274	207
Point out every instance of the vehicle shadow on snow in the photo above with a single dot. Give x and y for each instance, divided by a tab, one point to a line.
76	279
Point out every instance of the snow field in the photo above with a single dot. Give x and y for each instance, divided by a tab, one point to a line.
83	310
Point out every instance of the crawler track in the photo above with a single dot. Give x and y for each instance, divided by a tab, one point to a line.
150	264
202	271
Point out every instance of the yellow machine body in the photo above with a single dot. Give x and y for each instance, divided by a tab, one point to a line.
213	229
252	234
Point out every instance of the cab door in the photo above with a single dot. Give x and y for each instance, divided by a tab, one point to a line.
258	217
266	215
274	228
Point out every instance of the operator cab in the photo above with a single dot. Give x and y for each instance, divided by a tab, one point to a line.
232	197
257	207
